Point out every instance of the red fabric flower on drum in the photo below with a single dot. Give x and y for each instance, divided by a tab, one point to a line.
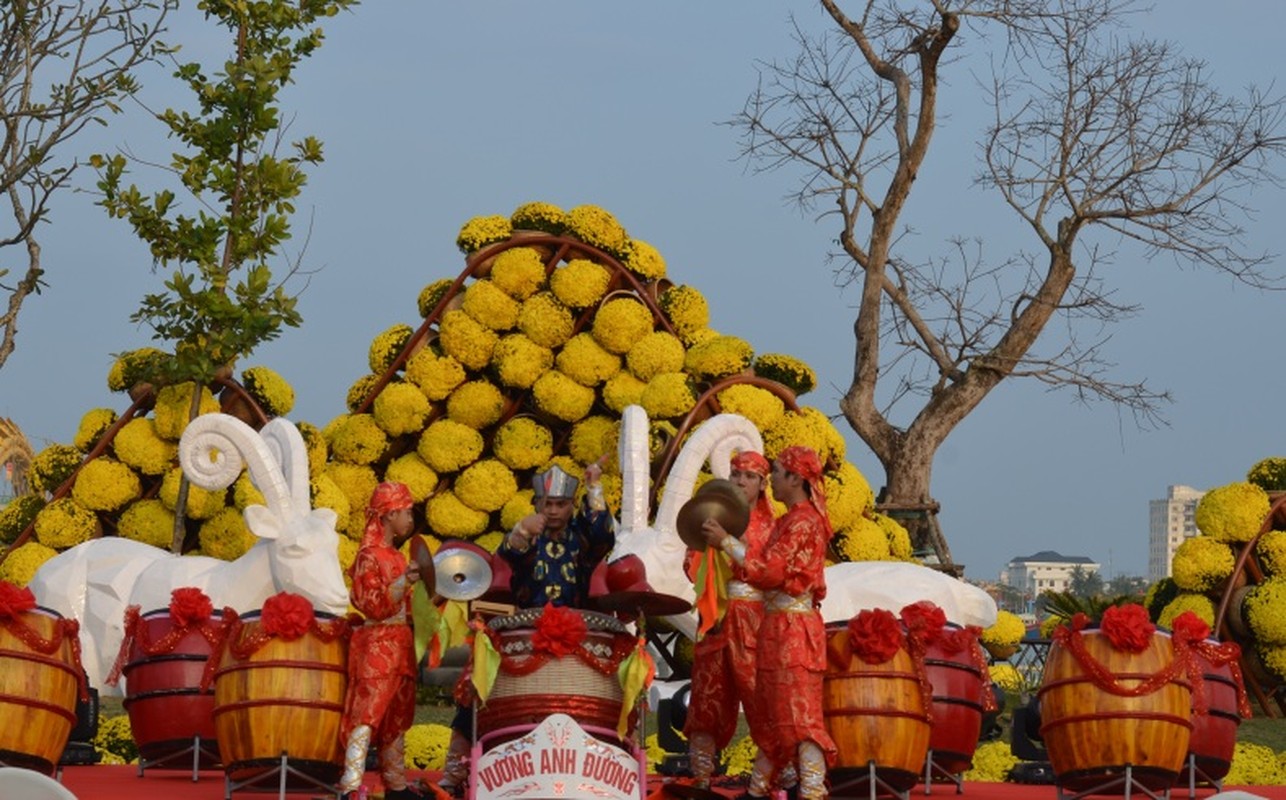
875	635
1128	627
1189	627
924	621
287	615
559	631
189	606
14	600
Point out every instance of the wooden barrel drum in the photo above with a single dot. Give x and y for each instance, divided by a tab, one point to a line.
877	716
565	684
1214	734
957	709
287	697
1092	735
38	693
167	707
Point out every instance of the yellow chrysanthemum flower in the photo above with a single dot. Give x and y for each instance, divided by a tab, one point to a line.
1008	629
490	305
523	443
172	407
763	408
844	501
431	295
1264	609
719	357
93	425
436	375
359	391
620	323
448	446
788	371
596	226
545	321
561	397
644	260
668	395
796	427
139	445
687	310
583	360
1200	563
519	361
992	762
20	566
426	746
594	437
245	493
358	439
519	506
864	541
149	522
519	271
202	503
538	216
1232	513
466	340
358	483
449	517
17	514
486	485
654	353
621	390
418	476
65	523
315	443
105	484
1271	549
52	466
1198	604
134	367
323	492
479	232
401	408
580	283
899	539
225	535
477	404
271	391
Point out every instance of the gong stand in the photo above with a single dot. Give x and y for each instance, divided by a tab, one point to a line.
933	772
199	752
283	772
1122	785
870	778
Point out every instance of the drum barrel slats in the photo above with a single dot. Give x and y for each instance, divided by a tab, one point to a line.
37	658
39	705
40	691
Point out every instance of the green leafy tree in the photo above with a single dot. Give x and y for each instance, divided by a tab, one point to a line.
1084	583
222	299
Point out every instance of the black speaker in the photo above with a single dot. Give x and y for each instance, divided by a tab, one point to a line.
1025	741
671	714
86	718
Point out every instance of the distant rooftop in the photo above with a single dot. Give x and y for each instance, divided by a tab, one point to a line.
1049	556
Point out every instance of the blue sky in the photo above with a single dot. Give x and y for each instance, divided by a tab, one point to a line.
432	113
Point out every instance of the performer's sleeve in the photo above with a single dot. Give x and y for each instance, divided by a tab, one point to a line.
786	563
373	593
601	530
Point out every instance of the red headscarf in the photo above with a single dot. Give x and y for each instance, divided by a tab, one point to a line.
803	461
750	461
387	497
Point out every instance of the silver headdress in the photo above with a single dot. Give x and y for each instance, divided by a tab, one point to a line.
554	482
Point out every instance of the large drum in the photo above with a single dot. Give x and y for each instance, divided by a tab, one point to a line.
1091	735
39	683
877	716
955	667
287	697
531	686
1214	734
167	707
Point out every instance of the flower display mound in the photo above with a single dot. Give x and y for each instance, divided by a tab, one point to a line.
559	320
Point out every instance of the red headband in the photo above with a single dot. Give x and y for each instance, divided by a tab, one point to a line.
387	497
750	461
803	461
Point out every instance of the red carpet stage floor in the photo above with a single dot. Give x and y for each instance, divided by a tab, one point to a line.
123	783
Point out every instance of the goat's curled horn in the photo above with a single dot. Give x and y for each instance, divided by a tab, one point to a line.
215	447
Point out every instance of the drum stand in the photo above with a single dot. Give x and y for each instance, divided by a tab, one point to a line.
197	749
1195	774
874	783
934	772
283	772
1125	784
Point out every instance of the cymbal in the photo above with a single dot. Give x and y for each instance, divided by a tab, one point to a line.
647	604
716	498
424	559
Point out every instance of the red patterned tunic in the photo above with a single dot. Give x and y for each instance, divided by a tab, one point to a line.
792	640
723	663
381	654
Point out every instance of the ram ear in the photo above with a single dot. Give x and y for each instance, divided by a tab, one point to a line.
262	522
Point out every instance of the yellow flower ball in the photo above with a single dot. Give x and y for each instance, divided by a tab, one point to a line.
739	757
401	408
1264	609
899	539
788	371
1198	604
719	357
796	428
763	408
655	353
93	425
358	439
323	492
644	260
699	336
432	295
864	541
845	501
593	438
1232	513
20	566
490	305
1200	563
519	506
271	391
687	310
65	523
580	283
149	522
466	340
426	746
545	321
583	360
523	443
173	404
105	484
490	541
1271	549
1254	765
485	485
519	361
17	514
449	517
436	375
358	483
1007	677
668	395
52	466
418	476
561	397
115	736
622	390
477	404
479	232
992	762
519	271
134	367
359	391
315	443
202	503
538	216
1008	629
139	445
596	226
225	535
448	446
347	552
620	323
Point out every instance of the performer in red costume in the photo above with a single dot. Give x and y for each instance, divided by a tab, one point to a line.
723	666
380	704
791	651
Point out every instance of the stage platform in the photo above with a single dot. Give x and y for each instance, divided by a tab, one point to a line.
123	783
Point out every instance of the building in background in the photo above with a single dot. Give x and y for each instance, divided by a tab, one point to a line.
1046	571
1170	523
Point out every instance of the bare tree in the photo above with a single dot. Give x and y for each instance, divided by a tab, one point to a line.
1095	141
63	65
